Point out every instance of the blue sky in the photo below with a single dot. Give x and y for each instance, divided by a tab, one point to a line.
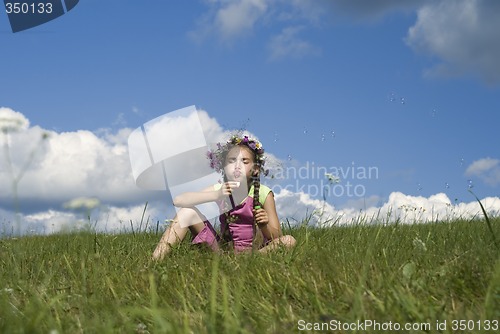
410	89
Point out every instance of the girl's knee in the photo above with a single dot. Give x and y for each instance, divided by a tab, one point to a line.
185	213
187	216
288	240
190	218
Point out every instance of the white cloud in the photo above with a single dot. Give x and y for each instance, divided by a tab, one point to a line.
292	206
108	219
69	165
297	206
120	120
80	163
289	44
137	111
239	17
12	121
50	221
463	34
229	20
487	169
92	171
82	172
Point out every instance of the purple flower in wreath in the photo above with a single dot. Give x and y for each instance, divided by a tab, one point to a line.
217	156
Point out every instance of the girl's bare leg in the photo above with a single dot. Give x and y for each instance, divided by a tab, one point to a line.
286	241
174	234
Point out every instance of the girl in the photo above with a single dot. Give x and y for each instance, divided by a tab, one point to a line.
248	213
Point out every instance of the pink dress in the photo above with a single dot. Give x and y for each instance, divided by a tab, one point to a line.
239	221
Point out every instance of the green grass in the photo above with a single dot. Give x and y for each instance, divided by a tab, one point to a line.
96	283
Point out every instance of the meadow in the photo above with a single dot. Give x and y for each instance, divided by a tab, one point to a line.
441	277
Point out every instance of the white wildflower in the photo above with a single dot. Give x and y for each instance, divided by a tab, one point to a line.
332	178
419	244
82	203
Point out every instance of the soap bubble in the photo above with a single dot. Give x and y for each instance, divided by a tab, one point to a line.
392	97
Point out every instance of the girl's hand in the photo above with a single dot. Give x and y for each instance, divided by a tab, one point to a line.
261	216
227	188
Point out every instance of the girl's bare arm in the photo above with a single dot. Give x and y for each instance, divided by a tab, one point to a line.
268	215
191	199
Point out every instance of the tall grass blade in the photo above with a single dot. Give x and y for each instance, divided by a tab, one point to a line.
142	218
213	296
487	221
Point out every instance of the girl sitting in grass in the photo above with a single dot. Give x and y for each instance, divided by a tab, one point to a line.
251	224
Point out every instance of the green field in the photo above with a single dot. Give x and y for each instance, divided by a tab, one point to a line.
416	275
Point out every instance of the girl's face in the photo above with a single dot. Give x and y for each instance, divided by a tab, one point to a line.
239	164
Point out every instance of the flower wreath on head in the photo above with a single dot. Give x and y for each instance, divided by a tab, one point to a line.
218	155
